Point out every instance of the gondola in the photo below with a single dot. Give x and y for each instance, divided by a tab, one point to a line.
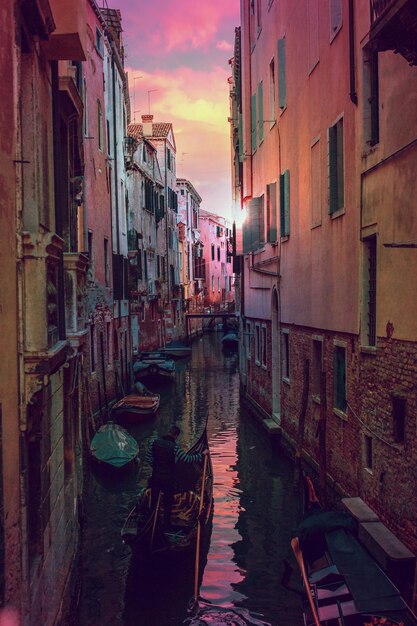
192	505
343	584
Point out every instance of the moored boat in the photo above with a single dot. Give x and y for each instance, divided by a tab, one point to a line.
342	582
230	340
112	446
192	505
156	365
135	407
177	349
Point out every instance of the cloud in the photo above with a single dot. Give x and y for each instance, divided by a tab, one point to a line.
224	45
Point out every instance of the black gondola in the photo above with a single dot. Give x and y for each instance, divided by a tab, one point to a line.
192	505
343	584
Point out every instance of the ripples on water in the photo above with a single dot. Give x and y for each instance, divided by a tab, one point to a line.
254	513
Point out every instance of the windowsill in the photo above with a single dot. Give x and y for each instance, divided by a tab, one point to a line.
258	34
313	67
286	380
316	398
340	413
272	124
282	110
368	471
285	238
337	214
258	363
336	32
368	350
313	226
264	367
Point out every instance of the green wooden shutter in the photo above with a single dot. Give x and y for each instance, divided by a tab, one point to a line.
271	212
340	165
240	135
332	169
253	119
282	79
261	111
284	202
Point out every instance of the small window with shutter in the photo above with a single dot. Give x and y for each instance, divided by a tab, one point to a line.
282	74
335	7
253	122
260	112
336	167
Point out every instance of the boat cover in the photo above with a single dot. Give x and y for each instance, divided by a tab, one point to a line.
112	444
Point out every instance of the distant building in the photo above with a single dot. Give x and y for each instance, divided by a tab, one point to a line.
216	234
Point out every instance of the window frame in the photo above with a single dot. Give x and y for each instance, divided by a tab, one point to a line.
286	355
341	410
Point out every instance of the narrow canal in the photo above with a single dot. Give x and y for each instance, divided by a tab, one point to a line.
254	512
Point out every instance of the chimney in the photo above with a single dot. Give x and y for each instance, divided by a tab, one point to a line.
147	125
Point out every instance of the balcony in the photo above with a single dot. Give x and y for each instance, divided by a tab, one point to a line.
69	40
394	27
75	269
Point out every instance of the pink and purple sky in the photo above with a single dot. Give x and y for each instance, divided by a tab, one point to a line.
181	48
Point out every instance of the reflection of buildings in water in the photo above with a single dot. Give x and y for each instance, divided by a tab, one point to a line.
269	511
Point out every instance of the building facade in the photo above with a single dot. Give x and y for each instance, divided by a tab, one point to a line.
216	234
318	156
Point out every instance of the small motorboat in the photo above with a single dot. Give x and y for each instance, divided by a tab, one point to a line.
113	446
230	340
177	349
156	365
136	406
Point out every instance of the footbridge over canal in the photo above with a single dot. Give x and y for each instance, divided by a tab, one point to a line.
212	316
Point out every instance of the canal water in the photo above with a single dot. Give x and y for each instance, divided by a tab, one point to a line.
255	511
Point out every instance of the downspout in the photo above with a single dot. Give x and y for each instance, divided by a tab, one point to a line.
166	218
352	77
116	178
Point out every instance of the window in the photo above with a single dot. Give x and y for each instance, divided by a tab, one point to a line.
315	184
99	125
253	122
257	344
339	378
99	42
371	97
212	252
284	203
212	283
336	168
218	283
106	262
108	137
282	78
399	404
264	346
90	244
271	213
261	112
218	253
92	348
272	92
368	453
85	114
317	367
313	33
335	7
247	340
259	15
370	279
286	355
109	345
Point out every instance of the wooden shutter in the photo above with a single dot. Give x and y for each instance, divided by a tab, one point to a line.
271	212
117	276
261	111
332	169
284	201
340	165
282	79
253	120
335	16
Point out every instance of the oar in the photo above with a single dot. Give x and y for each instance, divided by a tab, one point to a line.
295	545
155	518
197	549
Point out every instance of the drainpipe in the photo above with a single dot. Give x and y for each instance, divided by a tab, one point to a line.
352	76
116	178
166	219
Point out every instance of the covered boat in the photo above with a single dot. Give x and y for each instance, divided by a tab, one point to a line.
157	365
192	505
230	340
136	406
342	582
177	349
113	446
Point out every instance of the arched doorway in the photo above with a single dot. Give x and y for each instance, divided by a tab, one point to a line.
276	358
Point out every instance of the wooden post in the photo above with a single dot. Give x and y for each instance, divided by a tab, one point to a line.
322	439
301	424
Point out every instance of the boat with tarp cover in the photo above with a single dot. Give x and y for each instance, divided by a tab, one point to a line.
112	446
192	506
343	584
154	365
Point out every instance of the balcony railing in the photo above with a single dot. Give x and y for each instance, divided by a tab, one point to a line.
379	7
394	27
